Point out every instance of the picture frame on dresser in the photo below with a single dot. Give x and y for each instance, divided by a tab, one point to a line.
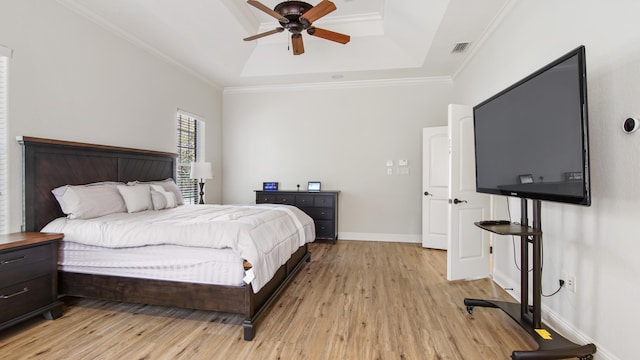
270	186
313	186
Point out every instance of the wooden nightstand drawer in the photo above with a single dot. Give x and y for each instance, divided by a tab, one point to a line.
24	297
25	264
28	277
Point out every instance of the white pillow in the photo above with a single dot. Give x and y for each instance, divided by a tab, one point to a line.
168	185
162	199
89	201
136	197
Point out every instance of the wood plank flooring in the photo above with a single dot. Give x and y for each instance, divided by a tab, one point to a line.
354	300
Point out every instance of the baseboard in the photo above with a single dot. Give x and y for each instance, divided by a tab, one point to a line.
505	282
400	238
553	319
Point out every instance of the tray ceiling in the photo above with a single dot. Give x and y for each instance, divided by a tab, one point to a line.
390	39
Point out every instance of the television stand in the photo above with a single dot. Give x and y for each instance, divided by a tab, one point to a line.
551	345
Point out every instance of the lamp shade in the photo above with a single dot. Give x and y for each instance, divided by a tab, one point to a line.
201	170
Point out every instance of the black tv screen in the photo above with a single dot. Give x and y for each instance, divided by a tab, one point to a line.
531	139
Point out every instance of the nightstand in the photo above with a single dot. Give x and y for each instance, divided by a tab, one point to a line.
28	277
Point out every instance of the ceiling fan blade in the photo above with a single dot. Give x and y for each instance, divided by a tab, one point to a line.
266	33
318	11
260	6
296	42
329	35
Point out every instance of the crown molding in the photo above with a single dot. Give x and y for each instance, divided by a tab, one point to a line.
340	85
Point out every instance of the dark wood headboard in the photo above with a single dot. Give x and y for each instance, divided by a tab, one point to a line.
48	164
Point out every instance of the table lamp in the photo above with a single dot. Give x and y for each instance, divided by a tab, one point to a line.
201	171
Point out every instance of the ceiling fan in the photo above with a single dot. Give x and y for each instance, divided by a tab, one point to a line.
297	16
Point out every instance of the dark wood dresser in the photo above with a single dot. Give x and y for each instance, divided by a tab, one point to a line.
28	277
321	206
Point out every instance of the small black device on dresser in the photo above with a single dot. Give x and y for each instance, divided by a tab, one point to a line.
321	206
28	277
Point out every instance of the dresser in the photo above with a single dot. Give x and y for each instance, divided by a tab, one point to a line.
28	277
321	206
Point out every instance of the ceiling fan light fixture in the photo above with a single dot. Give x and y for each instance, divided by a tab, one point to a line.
292	11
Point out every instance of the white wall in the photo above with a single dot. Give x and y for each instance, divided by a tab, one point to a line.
342	136
598	244
70	79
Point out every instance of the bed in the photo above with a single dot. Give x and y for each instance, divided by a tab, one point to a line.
49	164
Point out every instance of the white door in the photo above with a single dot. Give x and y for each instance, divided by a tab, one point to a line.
435	187
467	245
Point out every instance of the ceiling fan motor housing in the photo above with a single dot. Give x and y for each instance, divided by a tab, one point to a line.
293	10
297	16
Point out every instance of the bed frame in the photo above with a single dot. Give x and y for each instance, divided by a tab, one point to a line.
48	164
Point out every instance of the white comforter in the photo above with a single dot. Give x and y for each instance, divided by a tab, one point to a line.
265	235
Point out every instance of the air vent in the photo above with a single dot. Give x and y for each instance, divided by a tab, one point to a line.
460	47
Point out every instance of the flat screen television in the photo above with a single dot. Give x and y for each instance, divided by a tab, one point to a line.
532	139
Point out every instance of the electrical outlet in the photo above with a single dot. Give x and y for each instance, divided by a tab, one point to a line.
570	283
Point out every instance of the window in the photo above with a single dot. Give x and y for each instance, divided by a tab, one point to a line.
190	148
5	54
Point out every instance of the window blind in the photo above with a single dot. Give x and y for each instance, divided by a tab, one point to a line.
187	132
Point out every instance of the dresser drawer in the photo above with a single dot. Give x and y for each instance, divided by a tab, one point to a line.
265	198
25	264
325	229
323	200
23	297
287	199
303	201
320	213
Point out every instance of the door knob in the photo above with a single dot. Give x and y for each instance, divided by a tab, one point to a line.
457	201
426	193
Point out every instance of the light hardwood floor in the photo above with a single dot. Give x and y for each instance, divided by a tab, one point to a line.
354	300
